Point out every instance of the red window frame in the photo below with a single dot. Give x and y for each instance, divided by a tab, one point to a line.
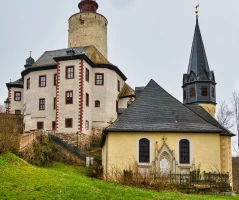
70	74
87	75
42	104
87	99
38	125
17	97
99	78
42	81
69	97
69	120
55	79
28	84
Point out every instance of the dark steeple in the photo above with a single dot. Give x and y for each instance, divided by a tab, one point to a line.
199	82
29	61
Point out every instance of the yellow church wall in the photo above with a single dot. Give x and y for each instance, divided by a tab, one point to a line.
210	108
121	149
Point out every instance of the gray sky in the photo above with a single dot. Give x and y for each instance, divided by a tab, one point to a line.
146	39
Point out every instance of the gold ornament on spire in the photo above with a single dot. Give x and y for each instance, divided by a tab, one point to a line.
197	9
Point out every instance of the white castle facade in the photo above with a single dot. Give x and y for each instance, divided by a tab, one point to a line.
73	89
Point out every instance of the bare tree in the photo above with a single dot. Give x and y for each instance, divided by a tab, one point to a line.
225	115
2	108
235	104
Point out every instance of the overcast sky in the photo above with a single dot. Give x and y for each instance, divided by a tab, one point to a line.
146	39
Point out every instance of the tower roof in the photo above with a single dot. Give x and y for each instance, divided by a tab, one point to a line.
88	6
198	60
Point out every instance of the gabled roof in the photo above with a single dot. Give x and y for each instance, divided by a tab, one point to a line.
126	91
199	110
17	84
198	59
155	110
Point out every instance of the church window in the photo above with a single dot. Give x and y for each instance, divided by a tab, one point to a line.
40	125
87	75
28	83
55	80
144	150
184	94
97	103
184	151
87	100
204	91
17	96
118	85
17	112
213	92
192	92
70	72
69	97
42	81
69	123
99	79
41	104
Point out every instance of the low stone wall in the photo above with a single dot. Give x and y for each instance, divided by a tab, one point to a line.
84	141
28	139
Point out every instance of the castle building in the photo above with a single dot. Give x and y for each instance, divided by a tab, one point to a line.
159	135
73	89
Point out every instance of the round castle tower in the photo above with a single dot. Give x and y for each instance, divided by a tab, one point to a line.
88	27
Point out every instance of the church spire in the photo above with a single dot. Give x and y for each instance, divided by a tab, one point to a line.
199	82
88	6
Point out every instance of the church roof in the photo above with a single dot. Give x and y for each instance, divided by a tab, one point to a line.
198	60
155	110
17	84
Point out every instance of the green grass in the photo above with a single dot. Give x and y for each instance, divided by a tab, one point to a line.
20	180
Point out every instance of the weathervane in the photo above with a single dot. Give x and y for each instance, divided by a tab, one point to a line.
197	9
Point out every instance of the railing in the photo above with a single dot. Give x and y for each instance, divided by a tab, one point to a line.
74	150
28	139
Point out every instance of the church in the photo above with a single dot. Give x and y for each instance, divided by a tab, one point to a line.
159	134
73	89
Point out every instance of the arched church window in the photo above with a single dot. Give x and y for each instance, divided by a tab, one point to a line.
184	151
213	92
204	91
192	92
184	94
144	151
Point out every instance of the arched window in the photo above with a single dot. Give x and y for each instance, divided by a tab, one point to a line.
204	91
192	92
97	103
184	94
213	92
184	151
144	151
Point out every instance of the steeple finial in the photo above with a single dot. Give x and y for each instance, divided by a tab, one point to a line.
30	53
197	9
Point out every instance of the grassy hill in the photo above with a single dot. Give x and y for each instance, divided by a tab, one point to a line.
20	180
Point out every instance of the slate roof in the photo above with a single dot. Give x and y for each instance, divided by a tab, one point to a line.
198	59
47	57
199	110
155	110
18	83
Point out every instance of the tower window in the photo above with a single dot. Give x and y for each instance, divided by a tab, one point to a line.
69	123
144	150
69	97
97	103
87	75
17	112
87	125
184	94
213	92
118	85
117	106
204	91
54	103
42	81
184	151
17	96
41	104
99	79
40	125
70	72
55	80
87	99
192	92
28	83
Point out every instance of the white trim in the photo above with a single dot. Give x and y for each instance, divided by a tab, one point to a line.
150	150
190	149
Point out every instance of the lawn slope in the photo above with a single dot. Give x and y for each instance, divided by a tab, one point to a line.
20	180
